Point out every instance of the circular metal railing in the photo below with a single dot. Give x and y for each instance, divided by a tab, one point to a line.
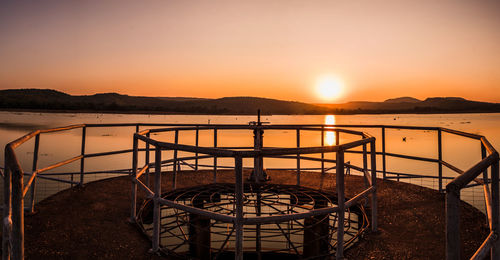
240	218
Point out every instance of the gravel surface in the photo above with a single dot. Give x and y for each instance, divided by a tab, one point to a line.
93	221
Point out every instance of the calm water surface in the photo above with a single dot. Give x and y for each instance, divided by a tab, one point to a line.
54	147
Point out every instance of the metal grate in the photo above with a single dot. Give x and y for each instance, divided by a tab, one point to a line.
189	235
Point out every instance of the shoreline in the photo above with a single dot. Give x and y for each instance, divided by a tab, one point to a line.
139	112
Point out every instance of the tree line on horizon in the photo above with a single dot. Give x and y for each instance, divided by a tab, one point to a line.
52	100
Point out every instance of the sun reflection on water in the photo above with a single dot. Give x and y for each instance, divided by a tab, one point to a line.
329	135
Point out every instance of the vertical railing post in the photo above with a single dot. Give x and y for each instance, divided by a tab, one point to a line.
340	203
365	164
147	159
238	170
337	137
17	212
440	160
82	153
373	157
322	153
495	250
383	154
35	166
197	139
174	172
483	155
298	157
7	207
133	209
215	156
452	222
156	213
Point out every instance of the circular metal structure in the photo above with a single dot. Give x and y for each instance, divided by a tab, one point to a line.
188	235
253	218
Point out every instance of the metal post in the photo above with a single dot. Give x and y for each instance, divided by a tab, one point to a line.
174	173
134	179
215	157
199	231
35	166
322	153
316	232
82	161
298	157
495	250
365	164
17	214
341	204
452	222
483	155
258	238
374	184
258	173
7	210
238	171
156	213
196	144
337	137
383	154
147	160
440	160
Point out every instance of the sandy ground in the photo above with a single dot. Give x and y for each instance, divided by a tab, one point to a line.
93	221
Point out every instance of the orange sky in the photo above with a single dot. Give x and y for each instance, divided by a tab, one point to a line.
276	49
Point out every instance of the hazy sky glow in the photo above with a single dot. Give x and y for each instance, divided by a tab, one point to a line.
275	49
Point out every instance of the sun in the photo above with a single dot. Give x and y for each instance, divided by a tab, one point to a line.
329	88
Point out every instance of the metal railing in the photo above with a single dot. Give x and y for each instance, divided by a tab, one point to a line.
15	189
238	219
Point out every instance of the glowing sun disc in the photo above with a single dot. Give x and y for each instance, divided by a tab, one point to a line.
329	88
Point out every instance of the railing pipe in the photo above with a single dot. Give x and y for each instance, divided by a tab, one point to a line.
82	153
495	250
33	168
147	160
17	215
133	174
365	165
322	153
383	154
440	161
196	141
215	156
175	162
298	156
7	207
156	213
374	185
452	223
238	224
341	204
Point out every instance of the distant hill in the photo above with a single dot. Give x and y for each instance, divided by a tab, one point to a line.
52	100
41	99
402	100
413	105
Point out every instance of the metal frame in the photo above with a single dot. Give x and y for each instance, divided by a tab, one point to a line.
15	190
238	219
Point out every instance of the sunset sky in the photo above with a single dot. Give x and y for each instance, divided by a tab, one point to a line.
277	49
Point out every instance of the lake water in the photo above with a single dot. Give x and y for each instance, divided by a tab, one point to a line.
54	147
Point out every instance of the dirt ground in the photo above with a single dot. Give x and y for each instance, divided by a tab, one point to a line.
93	221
